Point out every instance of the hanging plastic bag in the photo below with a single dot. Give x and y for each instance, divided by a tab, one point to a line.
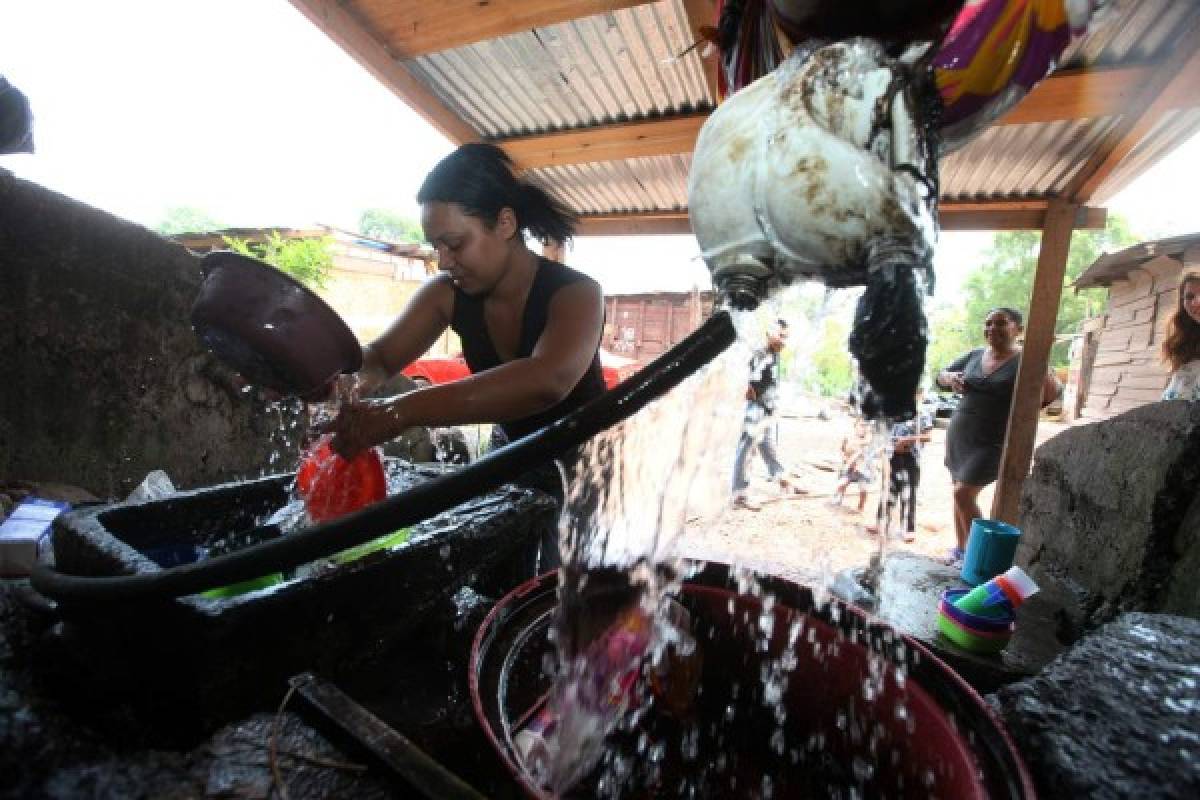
996	51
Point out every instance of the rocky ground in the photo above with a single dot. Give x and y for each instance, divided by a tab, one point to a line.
802	537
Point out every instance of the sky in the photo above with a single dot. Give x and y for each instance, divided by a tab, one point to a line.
243	109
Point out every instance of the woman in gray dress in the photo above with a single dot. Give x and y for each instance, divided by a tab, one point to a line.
985	377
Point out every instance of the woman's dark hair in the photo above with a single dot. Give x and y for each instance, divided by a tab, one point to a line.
480	179
1182	342
1011	313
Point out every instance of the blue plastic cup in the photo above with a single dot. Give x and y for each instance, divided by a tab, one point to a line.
991	549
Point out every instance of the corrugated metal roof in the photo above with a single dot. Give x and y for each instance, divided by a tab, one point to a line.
1038	160
1112	267
626	65
1021	161
1130	32
615	67
631	185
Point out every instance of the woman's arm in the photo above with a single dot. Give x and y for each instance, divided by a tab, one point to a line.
952	376
1050	389
509	391
412	333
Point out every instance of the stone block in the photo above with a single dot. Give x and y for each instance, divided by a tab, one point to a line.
1116	716
1105	505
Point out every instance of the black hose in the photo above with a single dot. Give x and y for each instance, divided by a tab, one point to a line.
416	504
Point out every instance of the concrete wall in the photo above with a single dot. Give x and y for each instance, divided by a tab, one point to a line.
103	378
369	290
1110	512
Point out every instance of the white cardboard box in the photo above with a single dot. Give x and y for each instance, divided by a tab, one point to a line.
25	535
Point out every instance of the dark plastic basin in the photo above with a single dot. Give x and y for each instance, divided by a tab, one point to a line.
926	734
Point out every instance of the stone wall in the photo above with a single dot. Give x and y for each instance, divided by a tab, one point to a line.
1110	513
104	380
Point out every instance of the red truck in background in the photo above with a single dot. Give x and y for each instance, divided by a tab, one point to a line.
444	369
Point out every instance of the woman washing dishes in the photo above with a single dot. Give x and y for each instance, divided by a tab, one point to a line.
530	327
985	378
1181	346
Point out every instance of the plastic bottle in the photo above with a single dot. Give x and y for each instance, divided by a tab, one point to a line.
999	596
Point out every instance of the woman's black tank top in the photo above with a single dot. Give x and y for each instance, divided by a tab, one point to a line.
480	353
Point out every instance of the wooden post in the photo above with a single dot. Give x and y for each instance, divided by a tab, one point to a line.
1035	359
555	251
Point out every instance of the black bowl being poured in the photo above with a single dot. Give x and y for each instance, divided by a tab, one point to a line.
270	328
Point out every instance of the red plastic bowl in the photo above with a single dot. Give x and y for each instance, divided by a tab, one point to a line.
331	486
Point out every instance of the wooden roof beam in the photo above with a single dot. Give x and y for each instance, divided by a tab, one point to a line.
701	14
420	27
1081	94
1000	215
1175	79
640	223
1072	95
658	137
353	37
1012	215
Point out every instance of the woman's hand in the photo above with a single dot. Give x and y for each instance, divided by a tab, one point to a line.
954	381
360	424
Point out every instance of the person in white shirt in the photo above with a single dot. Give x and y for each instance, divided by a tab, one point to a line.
1181	347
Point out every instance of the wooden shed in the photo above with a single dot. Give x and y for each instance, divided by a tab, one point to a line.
1115	361
642	326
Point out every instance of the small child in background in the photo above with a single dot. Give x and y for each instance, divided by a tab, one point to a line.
857	465
905	473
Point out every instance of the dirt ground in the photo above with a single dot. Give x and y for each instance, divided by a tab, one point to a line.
801	537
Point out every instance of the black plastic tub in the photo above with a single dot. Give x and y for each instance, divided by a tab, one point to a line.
207	660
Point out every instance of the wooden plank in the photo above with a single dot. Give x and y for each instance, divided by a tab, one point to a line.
1083	94
1001	215
1113	359
637	224
701	14
1035	359
1020	215
656	137
419	27
1181	68
1059	97
370	52
1158	384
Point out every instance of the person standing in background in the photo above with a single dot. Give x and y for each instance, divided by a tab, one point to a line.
759	428
904	477
986	378
1181	346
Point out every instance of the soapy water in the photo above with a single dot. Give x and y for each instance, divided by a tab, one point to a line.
629	497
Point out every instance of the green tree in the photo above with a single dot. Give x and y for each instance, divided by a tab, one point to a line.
186	219
307	260
379	223
832	373
1005	278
